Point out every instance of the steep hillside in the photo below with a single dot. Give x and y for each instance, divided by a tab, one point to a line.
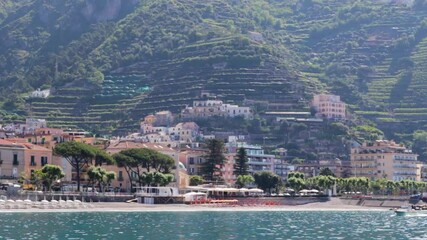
111	62
159	55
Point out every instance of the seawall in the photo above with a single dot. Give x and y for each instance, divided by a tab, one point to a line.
386	203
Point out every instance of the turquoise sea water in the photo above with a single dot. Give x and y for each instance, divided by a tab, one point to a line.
212	225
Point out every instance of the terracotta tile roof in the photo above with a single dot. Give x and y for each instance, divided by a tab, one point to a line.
23	145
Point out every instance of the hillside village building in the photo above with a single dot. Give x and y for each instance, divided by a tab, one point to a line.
211	108
384	159
329	106
18	158
181	132
257	159
163	118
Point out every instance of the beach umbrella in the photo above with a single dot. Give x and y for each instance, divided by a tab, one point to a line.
304	191
44	201
2	201
53	201
314	191
10	201
19	201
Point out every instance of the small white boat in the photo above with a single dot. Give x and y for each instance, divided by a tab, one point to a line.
409	210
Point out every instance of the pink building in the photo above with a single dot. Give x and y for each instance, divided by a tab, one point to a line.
228	169
329	106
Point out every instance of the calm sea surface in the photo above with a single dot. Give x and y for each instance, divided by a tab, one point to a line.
212	225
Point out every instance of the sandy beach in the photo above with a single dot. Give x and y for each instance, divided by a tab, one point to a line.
333	205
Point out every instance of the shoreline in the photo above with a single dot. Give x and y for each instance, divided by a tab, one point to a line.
134	207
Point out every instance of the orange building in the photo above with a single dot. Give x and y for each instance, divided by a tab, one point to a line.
21	158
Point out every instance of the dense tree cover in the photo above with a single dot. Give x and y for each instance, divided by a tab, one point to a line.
241	162
267	181
48	175
80	156
146	166
101	177
326	172
196	180
244	180
369	52
359	185
214	160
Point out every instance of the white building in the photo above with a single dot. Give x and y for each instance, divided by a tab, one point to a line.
235	110
211	108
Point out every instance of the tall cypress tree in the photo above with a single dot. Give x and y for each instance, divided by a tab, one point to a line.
241	163
214	160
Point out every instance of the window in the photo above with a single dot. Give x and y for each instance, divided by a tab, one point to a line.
120	178
33	161
191	160
15	159
43	160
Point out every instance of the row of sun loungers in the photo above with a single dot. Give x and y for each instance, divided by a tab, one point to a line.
44	204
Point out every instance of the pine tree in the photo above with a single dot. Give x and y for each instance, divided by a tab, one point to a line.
241	163
214	160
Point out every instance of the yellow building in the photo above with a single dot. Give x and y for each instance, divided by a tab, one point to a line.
384	159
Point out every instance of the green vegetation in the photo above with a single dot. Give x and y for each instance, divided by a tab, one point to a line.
145	166
214	160
356	184
244	180
100	176
267	180
196	180
111	65
241	163
80	156
48	175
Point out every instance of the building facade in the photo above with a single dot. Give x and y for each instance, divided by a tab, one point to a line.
211	108
384	159
257	160
17	159
329	106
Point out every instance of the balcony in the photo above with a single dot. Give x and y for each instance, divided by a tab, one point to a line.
367	166
405	173
364	159
259	162
405	166
400	158
15	162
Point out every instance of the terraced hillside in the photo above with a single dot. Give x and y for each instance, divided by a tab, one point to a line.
112	62
371	53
